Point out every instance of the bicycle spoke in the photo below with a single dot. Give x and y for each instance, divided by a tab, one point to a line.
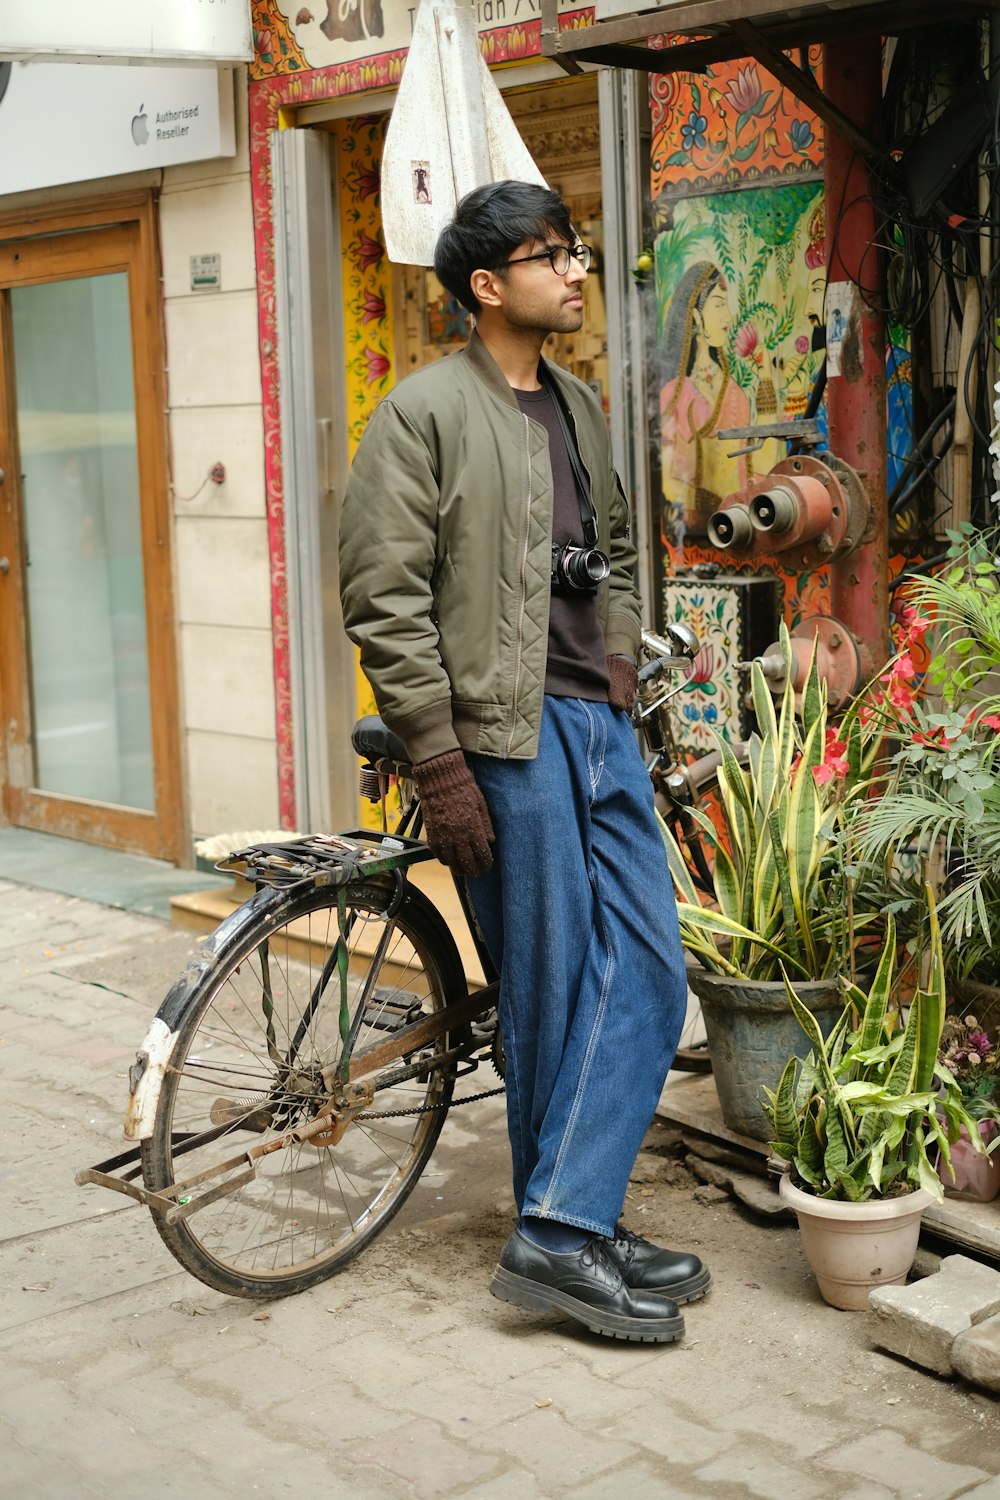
266	1037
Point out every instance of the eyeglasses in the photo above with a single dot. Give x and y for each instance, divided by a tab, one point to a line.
558	257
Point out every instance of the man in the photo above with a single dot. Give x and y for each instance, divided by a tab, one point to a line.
507	665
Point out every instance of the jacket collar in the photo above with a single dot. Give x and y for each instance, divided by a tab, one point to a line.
490	373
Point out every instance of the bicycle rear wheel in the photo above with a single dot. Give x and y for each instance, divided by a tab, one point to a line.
261	1026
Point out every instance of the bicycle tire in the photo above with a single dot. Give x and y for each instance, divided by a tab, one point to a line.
259	1024
702	779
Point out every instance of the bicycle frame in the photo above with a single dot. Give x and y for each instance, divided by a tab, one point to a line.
336	862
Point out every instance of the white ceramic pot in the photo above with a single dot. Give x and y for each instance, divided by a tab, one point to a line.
853	1247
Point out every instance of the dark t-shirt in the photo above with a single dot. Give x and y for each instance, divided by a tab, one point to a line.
577	662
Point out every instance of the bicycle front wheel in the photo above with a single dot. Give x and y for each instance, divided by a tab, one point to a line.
261	1029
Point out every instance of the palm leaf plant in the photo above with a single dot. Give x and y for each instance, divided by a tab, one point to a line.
785	896
940	797
867	1112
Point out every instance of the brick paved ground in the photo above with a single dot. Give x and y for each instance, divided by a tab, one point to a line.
123	1378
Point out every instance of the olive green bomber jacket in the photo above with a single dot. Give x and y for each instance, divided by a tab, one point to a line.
445	555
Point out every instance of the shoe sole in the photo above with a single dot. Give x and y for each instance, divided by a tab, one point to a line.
537	1297
681	1292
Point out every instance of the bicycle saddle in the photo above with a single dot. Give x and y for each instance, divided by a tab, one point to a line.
377	743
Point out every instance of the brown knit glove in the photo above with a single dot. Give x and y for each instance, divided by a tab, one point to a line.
456	819
624	676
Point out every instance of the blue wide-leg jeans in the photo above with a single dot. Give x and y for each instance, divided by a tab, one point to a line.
579	916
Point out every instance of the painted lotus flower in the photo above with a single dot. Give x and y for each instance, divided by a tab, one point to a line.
366	251
744	90
377	365
263	40
747	339
365	180
703	666
372	308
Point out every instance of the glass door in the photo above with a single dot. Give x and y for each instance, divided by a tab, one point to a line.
86	649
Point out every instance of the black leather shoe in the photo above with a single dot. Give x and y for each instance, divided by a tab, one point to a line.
645	1267
587	1285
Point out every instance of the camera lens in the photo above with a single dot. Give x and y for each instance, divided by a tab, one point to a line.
587	568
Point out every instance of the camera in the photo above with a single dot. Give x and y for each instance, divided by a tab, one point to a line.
578	570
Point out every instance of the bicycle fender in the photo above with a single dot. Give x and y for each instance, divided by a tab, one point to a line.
146	1073
145	1079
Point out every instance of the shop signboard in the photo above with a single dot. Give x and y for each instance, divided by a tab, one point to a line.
129	30
63	122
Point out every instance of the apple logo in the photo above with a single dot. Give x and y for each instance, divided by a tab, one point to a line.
140	130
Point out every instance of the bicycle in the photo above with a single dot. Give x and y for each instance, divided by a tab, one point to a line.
294	1082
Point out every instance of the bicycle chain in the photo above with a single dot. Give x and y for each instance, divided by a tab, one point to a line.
423	1109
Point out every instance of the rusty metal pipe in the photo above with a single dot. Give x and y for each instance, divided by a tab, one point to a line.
731	527
859	583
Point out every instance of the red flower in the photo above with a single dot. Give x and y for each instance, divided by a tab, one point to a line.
703	666
747	340
992	721
366	251
365	180
744	91
378	365
372	308
834	761
263	39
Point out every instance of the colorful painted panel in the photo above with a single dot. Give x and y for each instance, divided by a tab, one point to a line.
732	125
740	280
367	279
735	619
361	37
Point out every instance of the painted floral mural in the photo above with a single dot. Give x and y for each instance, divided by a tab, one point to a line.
740	283
731	124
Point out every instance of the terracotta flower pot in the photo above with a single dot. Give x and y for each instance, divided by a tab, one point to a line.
853	1247
977	1177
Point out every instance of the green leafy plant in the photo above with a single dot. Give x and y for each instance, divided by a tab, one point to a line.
866	1113
941	793
785	896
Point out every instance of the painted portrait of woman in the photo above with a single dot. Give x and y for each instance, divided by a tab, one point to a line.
698	397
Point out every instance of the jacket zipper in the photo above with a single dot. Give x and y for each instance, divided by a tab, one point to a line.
524	592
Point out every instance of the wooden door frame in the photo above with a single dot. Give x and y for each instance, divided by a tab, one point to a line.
160	833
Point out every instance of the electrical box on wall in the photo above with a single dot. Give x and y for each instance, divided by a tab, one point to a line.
735	618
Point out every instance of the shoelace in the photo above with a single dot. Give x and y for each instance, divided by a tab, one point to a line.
627	1240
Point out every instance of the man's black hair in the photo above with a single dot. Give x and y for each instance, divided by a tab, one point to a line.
489	224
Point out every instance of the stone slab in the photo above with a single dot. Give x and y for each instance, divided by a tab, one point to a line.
921	1321
975	1354
752	1191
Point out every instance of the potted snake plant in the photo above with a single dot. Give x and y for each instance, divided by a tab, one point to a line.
786	897
866	1122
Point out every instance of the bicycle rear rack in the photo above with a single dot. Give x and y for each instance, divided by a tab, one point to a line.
324	859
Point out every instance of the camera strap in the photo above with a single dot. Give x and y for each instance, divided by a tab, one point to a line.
588	511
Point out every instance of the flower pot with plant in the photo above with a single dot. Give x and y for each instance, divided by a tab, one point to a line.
784	896
859	1122
972	1057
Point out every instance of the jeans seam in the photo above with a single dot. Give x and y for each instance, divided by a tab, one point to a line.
594	726
581	1085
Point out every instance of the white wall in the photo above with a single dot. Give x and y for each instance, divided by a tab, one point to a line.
220	543
222	566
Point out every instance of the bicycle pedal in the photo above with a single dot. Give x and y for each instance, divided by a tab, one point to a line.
391	1010
244	1111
